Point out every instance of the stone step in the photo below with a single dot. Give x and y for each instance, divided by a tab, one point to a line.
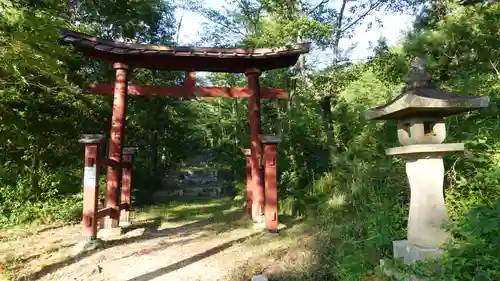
201	187
191	177
210	190
202	191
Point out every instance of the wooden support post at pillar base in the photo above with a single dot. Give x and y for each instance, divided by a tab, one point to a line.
116	140
249	192
90	185
128	157
255	145
271	182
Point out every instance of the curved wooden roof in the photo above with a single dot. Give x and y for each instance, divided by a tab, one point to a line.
235	60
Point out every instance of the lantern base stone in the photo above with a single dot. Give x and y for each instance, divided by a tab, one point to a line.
410	253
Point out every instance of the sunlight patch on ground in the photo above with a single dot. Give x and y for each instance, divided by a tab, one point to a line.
189	209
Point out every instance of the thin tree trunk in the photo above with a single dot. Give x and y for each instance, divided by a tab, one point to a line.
289	105
302	59
299	71
179	29
35	166
338	33
237	128
326	105
154	157
221	127
155	108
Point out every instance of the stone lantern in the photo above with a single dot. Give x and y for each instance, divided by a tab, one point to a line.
420	111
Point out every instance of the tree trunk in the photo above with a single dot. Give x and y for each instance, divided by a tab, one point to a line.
338	33
238	133
326	105
154	157
155	129
292	85
34	176
221	126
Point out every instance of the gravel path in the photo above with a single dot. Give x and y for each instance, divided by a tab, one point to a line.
197	256
194	251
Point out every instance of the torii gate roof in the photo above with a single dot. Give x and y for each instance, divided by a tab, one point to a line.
161	57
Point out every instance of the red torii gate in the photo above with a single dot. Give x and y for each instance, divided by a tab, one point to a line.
125	57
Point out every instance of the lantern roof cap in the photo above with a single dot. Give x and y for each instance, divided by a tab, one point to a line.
421	99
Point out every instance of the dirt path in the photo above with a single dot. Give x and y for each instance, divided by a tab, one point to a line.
218	248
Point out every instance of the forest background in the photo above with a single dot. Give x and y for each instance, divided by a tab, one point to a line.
331	162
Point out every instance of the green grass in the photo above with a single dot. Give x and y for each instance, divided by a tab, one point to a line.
188	209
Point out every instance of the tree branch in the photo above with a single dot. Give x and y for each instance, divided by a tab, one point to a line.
229	27
178	30
338	32
494	65
362	16
323	2
219	19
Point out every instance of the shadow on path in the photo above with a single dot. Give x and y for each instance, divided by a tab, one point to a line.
219	224
193	259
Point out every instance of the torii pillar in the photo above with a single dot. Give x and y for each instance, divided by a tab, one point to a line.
116	140
271	179
257	181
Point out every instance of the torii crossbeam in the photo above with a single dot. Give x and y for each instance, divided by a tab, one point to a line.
183	91
125	57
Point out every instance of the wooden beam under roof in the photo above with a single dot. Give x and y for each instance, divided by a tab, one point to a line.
189	91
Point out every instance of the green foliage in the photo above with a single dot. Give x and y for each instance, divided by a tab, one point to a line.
55	199
475	255
474	252
358	201
34	92
43	111
277	33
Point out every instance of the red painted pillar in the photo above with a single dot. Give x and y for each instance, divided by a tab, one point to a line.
189	82
248	193
125	200
189	79
116	142
271	190
255	145
90	184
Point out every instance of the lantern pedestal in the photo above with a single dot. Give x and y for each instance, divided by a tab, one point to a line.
425	172
427	207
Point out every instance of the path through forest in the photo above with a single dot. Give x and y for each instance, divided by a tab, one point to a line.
183	238
214	243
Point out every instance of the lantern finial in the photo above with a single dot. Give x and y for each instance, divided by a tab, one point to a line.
418	76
